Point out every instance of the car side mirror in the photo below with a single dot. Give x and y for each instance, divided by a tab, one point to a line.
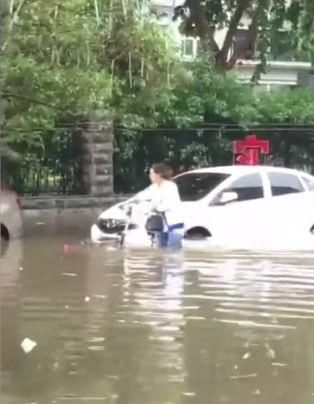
228	197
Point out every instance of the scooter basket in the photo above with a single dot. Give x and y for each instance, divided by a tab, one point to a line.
154	224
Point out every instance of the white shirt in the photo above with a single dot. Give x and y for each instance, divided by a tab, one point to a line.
165	198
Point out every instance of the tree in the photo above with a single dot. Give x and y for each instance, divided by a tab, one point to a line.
64	60
52	72
301	15
265	19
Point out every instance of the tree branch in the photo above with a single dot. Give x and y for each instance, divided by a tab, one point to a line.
222	55
16	12
213	44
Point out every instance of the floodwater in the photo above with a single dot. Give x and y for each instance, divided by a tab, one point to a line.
140	327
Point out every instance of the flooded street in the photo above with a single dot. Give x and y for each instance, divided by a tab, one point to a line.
140	327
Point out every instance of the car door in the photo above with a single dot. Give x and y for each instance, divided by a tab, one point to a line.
239	218
291	206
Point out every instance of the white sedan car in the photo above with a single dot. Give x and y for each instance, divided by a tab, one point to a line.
244	204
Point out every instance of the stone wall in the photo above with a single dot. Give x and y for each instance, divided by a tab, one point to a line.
70	202
54	213
96	160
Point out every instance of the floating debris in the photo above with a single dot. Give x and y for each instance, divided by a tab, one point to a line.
68	274
28	345
87	299
246	355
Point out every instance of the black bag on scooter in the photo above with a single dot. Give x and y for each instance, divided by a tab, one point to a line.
155	224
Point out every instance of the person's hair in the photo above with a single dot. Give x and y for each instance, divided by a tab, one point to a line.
163	170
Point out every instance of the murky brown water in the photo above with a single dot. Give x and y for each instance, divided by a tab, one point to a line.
145	328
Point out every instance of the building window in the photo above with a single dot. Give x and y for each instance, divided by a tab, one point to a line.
188	47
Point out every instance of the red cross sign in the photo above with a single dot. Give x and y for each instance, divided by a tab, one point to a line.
249	150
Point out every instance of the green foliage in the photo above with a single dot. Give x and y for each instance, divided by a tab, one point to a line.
286	106
302	19
64	61
67	61
39	95
212	97
52	71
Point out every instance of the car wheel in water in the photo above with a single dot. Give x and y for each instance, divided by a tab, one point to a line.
197	233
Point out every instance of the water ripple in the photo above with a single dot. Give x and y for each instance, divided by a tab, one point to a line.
143	327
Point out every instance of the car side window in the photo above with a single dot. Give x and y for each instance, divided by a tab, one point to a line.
309	183
246	188
283	183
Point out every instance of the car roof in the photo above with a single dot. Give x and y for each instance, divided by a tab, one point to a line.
240	170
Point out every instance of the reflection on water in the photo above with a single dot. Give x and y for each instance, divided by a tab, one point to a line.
139	327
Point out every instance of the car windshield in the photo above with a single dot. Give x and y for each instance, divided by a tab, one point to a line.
195	186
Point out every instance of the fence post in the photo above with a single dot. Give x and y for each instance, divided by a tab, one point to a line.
97	163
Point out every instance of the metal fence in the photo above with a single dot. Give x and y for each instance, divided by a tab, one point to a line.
54	167
212	145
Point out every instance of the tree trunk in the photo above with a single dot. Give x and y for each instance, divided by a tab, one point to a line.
223	61
198	17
